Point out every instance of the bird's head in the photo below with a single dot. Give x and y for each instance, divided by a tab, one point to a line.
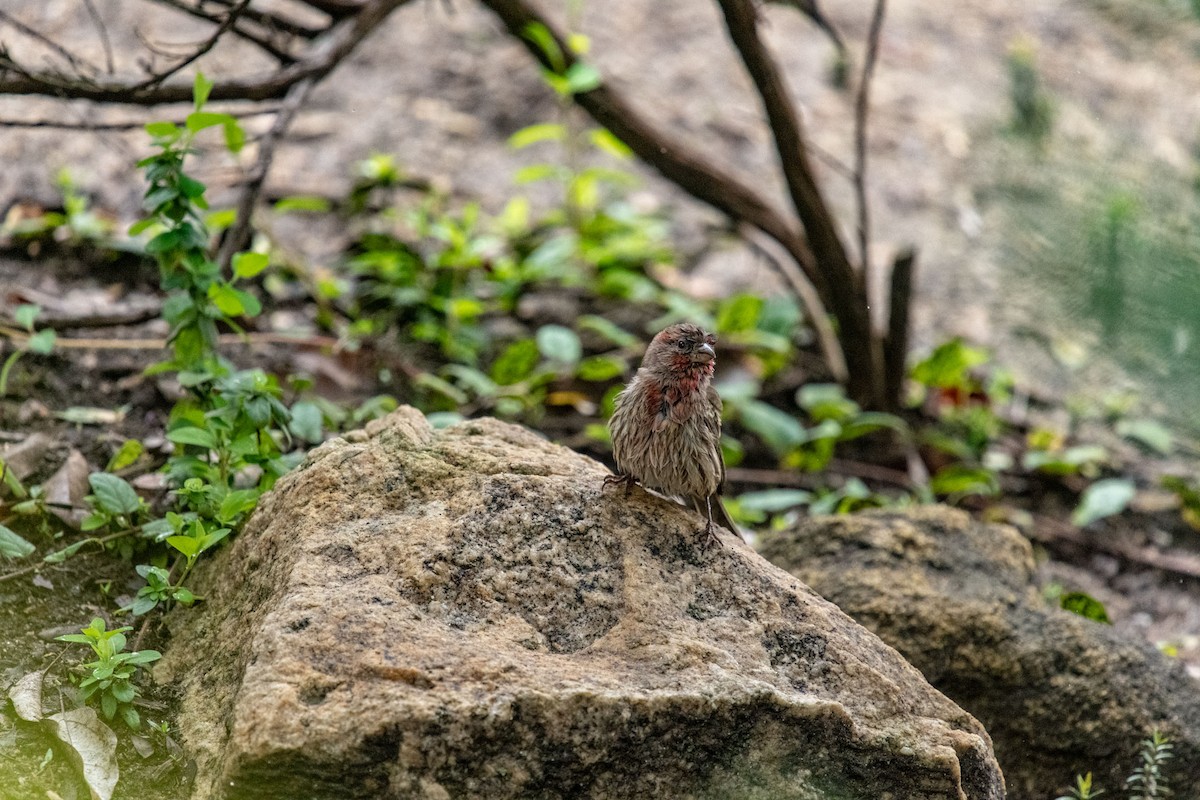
682	349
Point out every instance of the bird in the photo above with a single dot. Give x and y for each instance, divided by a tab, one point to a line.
666	425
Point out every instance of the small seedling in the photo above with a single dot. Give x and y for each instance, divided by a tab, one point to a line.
110	677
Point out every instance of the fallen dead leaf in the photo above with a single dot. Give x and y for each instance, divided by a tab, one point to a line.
26	696
24	458
94	745
67	487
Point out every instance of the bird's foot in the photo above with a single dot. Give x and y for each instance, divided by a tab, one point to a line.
708	537
628	480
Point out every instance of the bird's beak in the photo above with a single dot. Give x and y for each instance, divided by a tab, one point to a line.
705	353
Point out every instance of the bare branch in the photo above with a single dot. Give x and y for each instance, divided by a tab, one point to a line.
239	234
266	19
895	344
809	9
845	295
831	349
861	108
103	31
205	46
327	54
123	125
78	64
262	41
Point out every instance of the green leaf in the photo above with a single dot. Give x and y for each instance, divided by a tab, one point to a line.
160	130
1103	499
307	421
129	452
443	387
960	480
200	437
59	556
474	380
1149	433
949	365
773	501
538	172
516	362
144	657
582	77
42	342
199	120
233	302
609	330
739	313
25	314
247	265
302	203
1085	606
604	139
826	401
200	90
558	343
114	494
870	421
141	225
237	503
235	137
13	545
601	368
540	35
779	430
533	134
185	544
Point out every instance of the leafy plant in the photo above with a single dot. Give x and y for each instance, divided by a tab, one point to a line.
110	676
1033	110
1085	606
1083	789
1147	781
41	342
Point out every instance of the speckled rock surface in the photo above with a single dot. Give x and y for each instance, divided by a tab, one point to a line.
1059	694
464	614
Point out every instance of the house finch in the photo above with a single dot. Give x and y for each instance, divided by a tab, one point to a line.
666	424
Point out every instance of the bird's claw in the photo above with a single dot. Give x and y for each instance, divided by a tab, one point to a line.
709	537
628	480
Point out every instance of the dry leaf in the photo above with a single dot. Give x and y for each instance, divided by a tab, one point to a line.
95	746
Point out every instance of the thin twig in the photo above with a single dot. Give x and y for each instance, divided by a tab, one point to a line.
103	31
205	46
116	126
325	56
1053	532
75	61
239	233
19	338
266	19
263	42
862	103
817	316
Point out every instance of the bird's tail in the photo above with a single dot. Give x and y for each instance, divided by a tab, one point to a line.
720	514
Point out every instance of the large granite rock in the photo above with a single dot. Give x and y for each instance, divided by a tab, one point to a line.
465	613
1059	694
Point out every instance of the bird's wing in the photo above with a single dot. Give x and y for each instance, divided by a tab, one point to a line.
713	420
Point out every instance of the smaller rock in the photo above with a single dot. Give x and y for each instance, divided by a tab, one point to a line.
1059	694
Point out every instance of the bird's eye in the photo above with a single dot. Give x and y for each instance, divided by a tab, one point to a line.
681	344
